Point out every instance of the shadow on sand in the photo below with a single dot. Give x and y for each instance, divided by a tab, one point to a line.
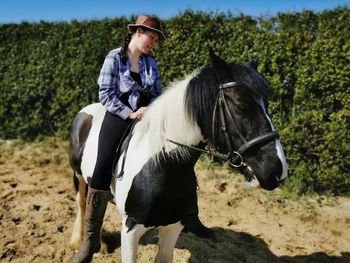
229	247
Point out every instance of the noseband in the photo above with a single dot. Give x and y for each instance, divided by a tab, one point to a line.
234	157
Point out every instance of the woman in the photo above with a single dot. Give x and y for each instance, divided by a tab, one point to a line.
128	82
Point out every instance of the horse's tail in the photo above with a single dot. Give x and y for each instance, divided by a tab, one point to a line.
76	181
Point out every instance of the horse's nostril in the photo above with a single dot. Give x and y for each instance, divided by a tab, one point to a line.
248	174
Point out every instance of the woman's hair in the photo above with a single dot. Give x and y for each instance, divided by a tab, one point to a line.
125	44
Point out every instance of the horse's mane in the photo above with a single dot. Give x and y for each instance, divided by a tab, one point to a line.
167	118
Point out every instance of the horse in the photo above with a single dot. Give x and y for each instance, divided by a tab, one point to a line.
222	106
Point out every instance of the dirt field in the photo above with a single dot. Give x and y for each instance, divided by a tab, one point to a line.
38	209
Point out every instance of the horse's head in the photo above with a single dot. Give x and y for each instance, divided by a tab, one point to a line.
241	126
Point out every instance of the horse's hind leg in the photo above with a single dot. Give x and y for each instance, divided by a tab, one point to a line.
168	236
78	228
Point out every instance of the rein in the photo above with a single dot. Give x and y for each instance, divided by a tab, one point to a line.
234	157
225	157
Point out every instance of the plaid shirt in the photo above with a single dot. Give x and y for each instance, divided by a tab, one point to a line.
115	80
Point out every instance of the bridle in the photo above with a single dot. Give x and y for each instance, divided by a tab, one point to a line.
234	157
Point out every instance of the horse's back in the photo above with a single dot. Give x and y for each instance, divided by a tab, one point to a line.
84	132
94	109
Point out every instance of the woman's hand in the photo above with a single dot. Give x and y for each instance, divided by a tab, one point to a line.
137	114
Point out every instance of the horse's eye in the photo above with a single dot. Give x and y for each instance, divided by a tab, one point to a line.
241	107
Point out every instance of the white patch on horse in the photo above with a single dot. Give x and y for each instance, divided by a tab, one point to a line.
88	162
279	148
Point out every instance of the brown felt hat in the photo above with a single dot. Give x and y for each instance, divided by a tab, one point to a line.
149	22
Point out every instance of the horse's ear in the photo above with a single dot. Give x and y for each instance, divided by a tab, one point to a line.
221	68
254	64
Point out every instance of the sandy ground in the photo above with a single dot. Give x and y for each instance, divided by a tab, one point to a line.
38	208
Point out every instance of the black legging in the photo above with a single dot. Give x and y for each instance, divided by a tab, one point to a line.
112	130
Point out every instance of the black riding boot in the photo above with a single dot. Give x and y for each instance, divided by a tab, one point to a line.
193	224
95	210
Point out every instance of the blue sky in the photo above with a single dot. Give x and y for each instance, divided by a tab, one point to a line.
16	11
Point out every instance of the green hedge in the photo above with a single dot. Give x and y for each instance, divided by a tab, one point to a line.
48	71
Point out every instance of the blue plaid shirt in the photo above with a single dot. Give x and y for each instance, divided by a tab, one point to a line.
115	80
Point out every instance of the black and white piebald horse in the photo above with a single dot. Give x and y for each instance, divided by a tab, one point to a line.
223	105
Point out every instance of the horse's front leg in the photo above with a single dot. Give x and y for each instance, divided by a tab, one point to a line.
168	236
130	241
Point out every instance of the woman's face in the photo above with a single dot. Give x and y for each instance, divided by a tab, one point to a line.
147	40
